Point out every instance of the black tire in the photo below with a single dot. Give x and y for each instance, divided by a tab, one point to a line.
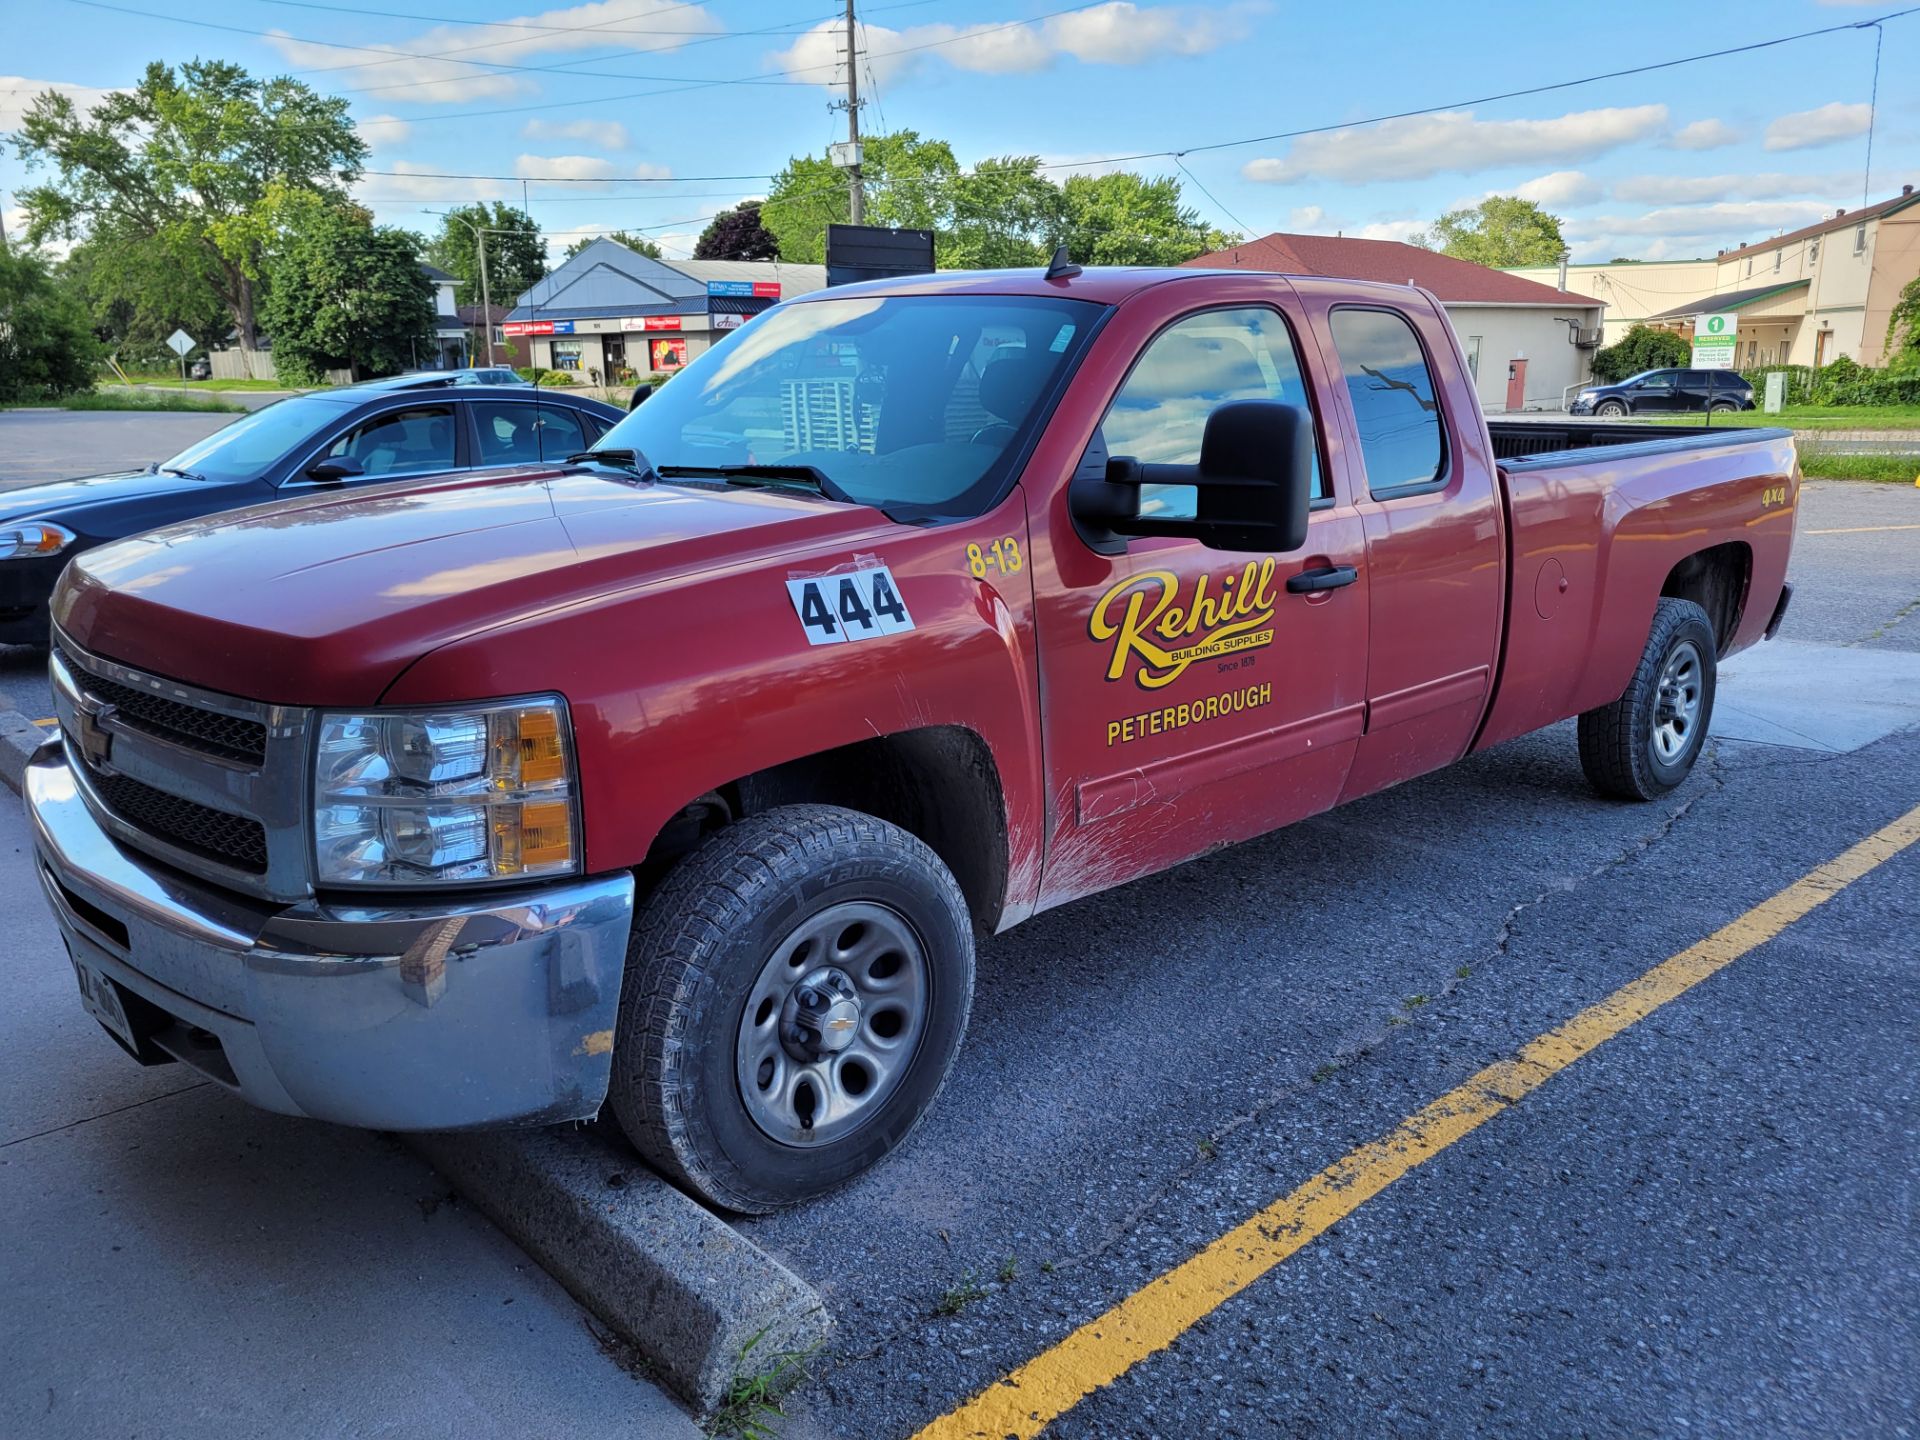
1612	409
1618	748
703	942
1722	407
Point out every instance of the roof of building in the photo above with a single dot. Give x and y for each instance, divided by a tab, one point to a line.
437	275
1839	220
1729	300
1348	258
480	314
606	279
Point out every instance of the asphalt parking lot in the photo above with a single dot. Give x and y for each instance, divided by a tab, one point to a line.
1705	1224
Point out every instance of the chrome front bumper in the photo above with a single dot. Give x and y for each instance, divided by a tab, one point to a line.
497	1010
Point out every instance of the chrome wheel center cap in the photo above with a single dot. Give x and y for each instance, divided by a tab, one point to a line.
821	1016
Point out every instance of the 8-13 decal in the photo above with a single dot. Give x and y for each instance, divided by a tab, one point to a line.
856	605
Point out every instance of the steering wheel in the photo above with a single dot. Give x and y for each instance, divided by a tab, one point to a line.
997	433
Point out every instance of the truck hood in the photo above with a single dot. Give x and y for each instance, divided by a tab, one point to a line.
326	599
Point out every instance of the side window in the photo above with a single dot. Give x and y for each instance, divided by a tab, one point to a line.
1659	380
1187	372
513	433
415	441
1394	401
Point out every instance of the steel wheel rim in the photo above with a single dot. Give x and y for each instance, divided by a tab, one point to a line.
812	1073
1677	700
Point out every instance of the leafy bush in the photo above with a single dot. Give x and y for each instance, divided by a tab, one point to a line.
1800	380
1641	348
46	346
1847	382
544	378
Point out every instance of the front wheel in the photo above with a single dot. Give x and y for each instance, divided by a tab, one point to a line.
796	992
1643	744
1612	409
1723	407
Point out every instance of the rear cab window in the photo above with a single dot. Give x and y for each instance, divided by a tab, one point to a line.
1396	406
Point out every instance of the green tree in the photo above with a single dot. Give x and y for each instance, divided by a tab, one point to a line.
345	294
137	295
516	252
46	347
181	166
1501	230
1903	329
1127	219
1642	348
1004	214
907	182
639	244
737	234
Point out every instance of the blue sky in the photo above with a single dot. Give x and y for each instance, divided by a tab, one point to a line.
621	95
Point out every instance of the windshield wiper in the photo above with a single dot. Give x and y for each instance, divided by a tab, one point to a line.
811	476
618	459
176	470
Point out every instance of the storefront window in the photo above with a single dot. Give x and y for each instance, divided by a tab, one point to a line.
566	354
667	352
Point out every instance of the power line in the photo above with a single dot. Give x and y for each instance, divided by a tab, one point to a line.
1244	227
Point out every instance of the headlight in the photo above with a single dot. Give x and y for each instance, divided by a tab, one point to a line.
21	542
426	797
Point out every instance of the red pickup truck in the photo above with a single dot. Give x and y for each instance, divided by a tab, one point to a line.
680	779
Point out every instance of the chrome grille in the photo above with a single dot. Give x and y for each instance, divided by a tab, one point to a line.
228	736
218	836
211	783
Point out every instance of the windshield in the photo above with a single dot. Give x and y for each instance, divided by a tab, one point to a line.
915	404
248	447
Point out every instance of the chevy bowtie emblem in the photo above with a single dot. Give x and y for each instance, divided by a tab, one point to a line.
96	741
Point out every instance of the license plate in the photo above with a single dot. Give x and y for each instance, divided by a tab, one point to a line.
102	999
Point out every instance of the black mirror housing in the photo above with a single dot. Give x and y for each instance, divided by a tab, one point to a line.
335	469
639	397
1253	486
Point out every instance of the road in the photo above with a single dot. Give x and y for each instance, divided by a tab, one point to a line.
38	445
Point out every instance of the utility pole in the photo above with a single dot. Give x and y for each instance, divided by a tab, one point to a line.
857	200
486	300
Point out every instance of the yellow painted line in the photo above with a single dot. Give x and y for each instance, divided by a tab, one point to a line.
1026	1401
1863	529
43	724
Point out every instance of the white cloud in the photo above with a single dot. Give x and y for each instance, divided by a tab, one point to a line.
406	72
17	94
1825	126
607	134
1116	33
1729	224
411	183
1704	135
1453	141
1700	189
1562	188
647	170
1314	220
565	167
383	132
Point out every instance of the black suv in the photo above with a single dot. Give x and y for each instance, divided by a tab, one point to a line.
1667	392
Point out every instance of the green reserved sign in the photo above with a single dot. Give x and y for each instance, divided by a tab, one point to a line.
1716	338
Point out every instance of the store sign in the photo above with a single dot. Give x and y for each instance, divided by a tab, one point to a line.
537	327
1716	341
745	289
728	322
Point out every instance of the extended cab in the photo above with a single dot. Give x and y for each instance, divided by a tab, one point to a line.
681	782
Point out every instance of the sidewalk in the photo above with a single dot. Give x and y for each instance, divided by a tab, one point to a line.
178	1263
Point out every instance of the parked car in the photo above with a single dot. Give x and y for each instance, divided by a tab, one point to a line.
201	369
680	784
1667	392
484	375
328	440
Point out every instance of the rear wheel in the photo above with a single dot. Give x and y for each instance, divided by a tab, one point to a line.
1612	409
1645	743
796	992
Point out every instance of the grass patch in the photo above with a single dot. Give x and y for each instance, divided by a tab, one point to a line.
957	1297
156	377
1806	417
1840	465
121	399
751	1409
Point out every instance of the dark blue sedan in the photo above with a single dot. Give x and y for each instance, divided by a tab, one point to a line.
359	435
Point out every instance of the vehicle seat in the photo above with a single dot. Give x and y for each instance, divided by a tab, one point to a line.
1008	389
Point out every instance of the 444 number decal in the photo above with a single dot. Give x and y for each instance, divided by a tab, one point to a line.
857	605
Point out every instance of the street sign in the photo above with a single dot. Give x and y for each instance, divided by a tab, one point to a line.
1716	341
180	342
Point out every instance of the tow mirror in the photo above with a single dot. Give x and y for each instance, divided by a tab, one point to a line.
335	469
640	393
1252	486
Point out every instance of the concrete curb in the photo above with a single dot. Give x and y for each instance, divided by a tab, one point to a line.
673	1280
685	1289
18	737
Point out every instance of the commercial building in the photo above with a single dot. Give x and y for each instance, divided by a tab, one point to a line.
1804	298
1528	345
610	313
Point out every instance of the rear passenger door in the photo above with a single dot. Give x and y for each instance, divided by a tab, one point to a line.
513	432
1695	390
1435	553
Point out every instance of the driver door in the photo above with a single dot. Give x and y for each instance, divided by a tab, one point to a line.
1191	697
422	438
1655	394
